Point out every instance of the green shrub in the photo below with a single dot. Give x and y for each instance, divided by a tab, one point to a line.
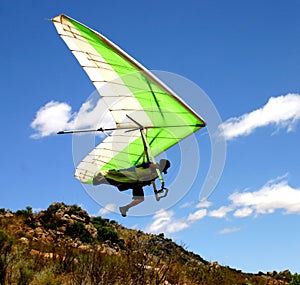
78	230
26	213
74	209
6	243
53	223
105	231
295	279
53	208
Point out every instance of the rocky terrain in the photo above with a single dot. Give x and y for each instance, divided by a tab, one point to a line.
64	245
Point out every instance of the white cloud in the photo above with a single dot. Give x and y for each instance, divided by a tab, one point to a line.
228	230
107	209
58	116
204	204
52	117
161	219
198	215
94	114
186	205
177	226
274	195
164	221
271	197
243	212
282	111
221	212
37	210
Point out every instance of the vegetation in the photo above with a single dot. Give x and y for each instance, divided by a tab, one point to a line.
295	279
63	245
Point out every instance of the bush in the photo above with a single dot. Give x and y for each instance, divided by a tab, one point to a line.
295	279
6	243
78	230
26	213
105	231
74	209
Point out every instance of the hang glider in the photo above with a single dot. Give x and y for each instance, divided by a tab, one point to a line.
149	117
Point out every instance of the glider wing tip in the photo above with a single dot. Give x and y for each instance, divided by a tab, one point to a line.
201	125
58	18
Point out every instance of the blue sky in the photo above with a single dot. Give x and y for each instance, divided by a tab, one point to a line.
244	54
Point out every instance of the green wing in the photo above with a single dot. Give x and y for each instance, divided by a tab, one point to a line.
128	89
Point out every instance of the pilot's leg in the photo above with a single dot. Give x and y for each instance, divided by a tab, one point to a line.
137	196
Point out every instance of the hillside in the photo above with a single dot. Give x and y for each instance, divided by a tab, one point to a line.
64	245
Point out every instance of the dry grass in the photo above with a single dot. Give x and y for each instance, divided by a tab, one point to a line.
33	254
